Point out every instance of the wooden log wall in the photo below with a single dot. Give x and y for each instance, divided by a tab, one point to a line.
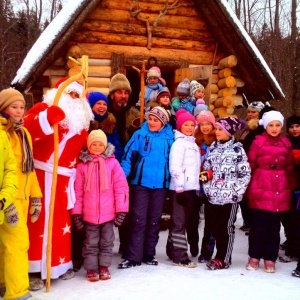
180	38
225	84
99	74
181	34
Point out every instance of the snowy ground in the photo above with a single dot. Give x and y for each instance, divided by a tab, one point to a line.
166	281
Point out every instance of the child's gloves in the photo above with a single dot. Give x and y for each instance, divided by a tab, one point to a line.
120	218
78	222
55	114
205	176
11	215
35	209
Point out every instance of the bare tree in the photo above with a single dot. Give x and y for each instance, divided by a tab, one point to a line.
55	8
294	51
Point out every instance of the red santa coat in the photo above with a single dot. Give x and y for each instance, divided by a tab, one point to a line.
70	144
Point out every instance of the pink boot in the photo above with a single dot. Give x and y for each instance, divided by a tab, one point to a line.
253	264
269	266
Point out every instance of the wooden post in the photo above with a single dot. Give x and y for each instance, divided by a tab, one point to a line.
79	76
142	97
142	73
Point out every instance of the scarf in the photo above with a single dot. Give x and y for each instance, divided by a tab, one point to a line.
100	118
150	89
97	169
27	157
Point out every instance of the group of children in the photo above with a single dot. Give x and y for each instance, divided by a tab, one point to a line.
180	152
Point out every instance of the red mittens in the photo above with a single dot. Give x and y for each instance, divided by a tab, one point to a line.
55	114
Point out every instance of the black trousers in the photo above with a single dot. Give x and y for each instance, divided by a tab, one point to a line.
192	227
144	223
208	240
264	235
220	221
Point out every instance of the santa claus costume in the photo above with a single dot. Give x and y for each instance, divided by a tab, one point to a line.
73	116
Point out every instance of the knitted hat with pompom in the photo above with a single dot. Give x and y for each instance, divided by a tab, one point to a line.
194	87
206	116
271	116
230	125
184	87
183	116
160	113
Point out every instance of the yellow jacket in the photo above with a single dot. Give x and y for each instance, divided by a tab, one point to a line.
28	183
8	173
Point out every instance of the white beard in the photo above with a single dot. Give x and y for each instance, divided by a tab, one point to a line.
78	111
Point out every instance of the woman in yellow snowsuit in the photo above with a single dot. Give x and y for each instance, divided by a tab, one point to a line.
12	109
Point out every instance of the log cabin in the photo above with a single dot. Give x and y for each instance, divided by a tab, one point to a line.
200	39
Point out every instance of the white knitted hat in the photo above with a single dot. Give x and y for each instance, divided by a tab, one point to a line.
271	116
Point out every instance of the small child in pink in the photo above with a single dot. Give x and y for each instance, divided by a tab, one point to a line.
101	200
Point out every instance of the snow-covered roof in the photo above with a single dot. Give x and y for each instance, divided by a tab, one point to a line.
46	39
64	22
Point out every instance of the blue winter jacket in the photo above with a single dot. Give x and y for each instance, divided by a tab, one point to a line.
146	157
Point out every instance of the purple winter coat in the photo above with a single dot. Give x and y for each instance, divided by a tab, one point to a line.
272	171
98	207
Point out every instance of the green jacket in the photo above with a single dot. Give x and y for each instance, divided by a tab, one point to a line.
8	173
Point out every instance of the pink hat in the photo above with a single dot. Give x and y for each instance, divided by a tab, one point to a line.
183	116
206	116
155	72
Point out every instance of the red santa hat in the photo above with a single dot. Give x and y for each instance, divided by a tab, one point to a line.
72	87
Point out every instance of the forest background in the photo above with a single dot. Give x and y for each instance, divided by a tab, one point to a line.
272	24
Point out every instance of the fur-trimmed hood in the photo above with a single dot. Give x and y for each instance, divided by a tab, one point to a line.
252	124
107	125
201	138
85	156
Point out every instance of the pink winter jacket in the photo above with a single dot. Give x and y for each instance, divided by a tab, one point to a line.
272	172
97	206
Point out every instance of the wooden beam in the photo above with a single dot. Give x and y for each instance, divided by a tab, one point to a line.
138	29
104	51
141	41
125	17
187	8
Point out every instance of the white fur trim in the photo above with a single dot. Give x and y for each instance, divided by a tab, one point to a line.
43	120
74	87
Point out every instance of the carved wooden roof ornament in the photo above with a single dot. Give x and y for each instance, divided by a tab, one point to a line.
135	11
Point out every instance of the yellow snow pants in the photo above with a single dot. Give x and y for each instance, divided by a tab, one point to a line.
14	244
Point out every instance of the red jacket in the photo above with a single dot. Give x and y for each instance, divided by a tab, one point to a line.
273	176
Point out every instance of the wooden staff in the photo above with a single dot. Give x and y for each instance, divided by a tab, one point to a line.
142	94
82	75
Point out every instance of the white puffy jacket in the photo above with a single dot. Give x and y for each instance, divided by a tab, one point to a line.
184	163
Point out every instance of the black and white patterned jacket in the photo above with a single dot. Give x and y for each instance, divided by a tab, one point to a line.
231	172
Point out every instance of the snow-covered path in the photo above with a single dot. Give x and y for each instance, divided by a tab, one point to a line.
166	281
